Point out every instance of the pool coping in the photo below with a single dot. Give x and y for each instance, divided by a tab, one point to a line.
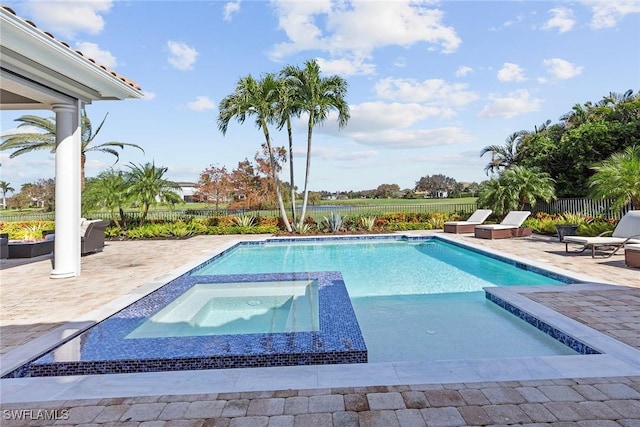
618	358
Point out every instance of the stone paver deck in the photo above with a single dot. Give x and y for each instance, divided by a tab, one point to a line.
33	305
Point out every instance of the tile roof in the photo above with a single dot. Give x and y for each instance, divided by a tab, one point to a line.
120	77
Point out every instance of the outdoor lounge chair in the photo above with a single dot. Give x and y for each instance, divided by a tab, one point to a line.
92	235
477	218
627	231
508	227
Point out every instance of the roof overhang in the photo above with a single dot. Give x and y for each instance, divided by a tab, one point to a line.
38	70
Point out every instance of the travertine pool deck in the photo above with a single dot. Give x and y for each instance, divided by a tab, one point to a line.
598	390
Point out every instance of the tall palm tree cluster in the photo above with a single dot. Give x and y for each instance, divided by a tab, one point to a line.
273	100
592	147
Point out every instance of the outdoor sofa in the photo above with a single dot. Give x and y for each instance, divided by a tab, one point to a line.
92	235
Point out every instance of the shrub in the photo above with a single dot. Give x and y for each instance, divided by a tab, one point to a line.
368	222
25	230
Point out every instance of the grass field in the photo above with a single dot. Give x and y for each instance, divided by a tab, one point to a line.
355	207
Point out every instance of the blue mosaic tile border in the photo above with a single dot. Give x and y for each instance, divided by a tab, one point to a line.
103	349
565	339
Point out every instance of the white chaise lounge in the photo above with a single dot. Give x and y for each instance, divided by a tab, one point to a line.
509	227
627	231
477	218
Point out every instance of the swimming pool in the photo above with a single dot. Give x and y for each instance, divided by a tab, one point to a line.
373	310
433	285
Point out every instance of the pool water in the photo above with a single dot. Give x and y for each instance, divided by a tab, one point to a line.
236	308
414	301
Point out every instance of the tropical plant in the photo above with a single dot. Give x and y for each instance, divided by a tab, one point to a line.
575	218
255	98
529	185
286	109
245	220
107	191
5	187
316	96
147	187
504	156
368	222
334	222
24	143
515	188
618	178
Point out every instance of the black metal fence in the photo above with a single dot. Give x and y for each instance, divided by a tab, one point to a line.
577	206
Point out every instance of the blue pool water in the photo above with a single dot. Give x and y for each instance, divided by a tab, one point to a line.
346	300
419	300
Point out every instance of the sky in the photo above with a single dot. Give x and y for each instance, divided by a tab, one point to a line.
430	83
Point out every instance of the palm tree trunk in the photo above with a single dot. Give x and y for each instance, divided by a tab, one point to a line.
274	175
83	160
305	199
293	187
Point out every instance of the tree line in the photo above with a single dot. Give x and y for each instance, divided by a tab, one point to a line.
569	150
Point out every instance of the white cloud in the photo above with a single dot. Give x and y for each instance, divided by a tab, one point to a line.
434	91
511	73
400	62
338	155
345	29
375	116
93	51
408	138
606	14
201	103
514	104
561	69
562	20
181	56
230	9
518	19
346	67
27	168
66	19
148	96
463	71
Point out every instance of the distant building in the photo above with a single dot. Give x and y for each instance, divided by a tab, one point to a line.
187	191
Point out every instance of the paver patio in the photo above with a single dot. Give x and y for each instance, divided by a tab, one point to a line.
33	305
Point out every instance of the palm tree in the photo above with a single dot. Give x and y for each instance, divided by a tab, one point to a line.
504	156
5	187
316	96
107	191
530	185
515	188
618	177
287	108
24	143
147	187
256	98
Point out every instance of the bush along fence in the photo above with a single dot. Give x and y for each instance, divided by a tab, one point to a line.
317	212
330	222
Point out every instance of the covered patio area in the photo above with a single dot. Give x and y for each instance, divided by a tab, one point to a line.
40	72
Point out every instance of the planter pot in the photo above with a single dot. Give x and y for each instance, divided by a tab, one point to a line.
566	230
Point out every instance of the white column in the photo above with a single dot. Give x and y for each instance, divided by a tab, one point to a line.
66	261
